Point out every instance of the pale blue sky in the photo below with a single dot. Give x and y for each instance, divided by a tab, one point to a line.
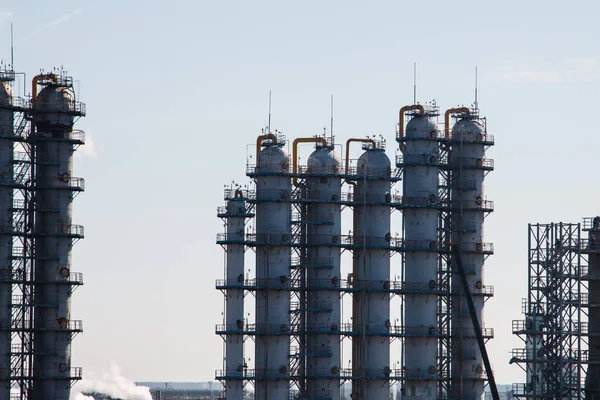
177	89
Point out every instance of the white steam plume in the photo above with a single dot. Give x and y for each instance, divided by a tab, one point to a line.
112	384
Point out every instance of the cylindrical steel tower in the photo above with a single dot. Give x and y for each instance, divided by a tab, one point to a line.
468	167
6	205
54	112
371	301
273	261
420	161
235	214
323	231
592	382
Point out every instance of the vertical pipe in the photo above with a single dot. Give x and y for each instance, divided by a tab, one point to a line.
234	297
273	261
6	222
54	187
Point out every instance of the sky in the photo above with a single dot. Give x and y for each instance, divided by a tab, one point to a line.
176	91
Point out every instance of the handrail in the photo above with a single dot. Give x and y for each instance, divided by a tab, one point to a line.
297	141
450	111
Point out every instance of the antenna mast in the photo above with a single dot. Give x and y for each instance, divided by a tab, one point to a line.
331	127
415	82
12	48
476	104
269	125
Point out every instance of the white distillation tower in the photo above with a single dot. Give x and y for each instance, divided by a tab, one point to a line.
323	184
235	214
469	167
421	163
371	308
273	261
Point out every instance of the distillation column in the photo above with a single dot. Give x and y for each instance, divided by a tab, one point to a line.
420	161
371	309
468	167
235	214
54	138
323	275
592	382
273	262
6	203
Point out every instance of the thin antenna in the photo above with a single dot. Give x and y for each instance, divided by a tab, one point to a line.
331	127
12	48
415	83
269	125
476	105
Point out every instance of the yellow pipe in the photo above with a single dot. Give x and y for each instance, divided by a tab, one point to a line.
403	111
321	140
34	84
259	141
458	110
361	140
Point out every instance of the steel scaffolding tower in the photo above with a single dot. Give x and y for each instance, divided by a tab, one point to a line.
555	330
6	203
18	226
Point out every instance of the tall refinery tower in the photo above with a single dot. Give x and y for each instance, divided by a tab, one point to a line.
468	167
317	273
37	142
420	161
54	110
233	286
371	269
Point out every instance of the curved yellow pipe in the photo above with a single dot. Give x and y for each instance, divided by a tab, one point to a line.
34	84
360	140
403	111
321	140
458	110
260	139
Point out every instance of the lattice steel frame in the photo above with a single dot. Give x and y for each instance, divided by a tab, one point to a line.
23	250
444	301
555	292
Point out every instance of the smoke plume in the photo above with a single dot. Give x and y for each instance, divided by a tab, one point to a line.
113	384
